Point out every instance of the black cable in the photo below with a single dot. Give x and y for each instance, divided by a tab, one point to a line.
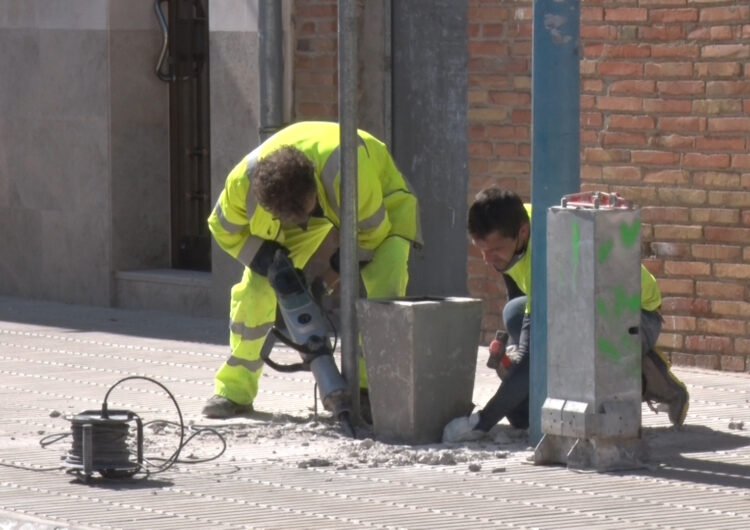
112	435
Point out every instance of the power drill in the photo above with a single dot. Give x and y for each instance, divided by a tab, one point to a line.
497	359
308	334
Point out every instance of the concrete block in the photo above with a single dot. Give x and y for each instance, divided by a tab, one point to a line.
421	356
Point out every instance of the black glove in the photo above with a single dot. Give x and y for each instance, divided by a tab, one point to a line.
264	257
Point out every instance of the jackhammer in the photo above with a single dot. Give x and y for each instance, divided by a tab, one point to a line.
308	334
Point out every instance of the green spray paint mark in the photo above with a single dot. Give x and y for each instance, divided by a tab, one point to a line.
608	349
629	233
625	302
604	250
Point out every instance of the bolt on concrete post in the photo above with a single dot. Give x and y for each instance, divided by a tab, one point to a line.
420	355
592	415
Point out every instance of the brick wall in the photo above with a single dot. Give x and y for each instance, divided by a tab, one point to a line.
665	121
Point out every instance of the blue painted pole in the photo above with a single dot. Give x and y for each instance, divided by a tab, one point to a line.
555	161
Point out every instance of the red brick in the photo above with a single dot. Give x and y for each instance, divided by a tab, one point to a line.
721	326
738	199
716	252
674	51
714	216
670	286
726	51
678	323
625	51
619	103
669	340
674	15
718	290
732	270
620	68
708	343
719	89
724	14
591	119
667	106
666	176
732	363
681	88
742	346
661	33
657	214
668	69
729	124
705	160
685	305
707	362
632	86
716	106
621	173
589	32
679	358
687	268
681	124
741	161
672	141
678	232
625	14
655	157
714	69
623	139
720	143
731	308
673	196
596	154
592	14
716	179
727	234
489	13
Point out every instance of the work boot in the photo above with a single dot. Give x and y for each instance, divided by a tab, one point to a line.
662	386
220	407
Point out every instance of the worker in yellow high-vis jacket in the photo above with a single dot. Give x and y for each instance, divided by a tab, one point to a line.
286	195
499	224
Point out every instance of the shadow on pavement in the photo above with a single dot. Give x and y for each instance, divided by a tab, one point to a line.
140	323
670	447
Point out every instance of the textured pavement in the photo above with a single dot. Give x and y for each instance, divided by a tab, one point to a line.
283	468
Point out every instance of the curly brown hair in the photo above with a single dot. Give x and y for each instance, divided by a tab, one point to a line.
283	183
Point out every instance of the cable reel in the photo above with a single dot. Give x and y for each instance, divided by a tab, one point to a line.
100	443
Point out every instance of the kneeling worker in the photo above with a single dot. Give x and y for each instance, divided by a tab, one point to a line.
286	195
499	224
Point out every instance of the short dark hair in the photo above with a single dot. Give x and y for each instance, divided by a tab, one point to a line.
496	210
283	182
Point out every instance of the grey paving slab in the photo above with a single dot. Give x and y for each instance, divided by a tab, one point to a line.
284	467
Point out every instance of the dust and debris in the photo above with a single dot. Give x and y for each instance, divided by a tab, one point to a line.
318	441
736	425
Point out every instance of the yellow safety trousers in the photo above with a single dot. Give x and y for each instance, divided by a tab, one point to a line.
253	304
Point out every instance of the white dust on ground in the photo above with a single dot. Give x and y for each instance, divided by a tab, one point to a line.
320	442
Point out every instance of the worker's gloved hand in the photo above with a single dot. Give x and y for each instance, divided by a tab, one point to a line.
462	429
511	357
264	257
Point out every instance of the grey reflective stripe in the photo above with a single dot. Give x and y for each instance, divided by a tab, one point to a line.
249	250
226	224
374	220
248	333
250	201
249	365
365	254
329	172
418	231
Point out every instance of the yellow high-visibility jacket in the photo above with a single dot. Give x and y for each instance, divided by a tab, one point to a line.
521	274
386	204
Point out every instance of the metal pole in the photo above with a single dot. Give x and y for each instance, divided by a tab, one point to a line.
555	161
271	67
347	57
